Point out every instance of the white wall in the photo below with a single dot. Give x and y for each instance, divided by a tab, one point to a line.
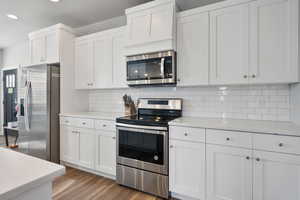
269	102
16	55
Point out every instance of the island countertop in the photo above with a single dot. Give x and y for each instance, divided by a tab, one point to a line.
20	173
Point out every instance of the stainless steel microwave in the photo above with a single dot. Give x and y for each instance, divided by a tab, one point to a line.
152	69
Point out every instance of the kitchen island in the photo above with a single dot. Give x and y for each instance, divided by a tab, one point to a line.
23	177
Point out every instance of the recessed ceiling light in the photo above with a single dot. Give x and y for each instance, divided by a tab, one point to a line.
11	16
55	1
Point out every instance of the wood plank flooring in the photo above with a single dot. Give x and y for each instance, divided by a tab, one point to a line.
79	185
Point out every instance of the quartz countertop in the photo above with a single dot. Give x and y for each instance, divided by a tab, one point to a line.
255	126
94	115
20	173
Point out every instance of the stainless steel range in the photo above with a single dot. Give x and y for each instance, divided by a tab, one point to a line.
142	146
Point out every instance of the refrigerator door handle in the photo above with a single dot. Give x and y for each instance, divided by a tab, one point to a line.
26	106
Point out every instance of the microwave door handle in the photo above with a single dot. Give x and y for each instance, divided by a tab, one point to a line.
162	67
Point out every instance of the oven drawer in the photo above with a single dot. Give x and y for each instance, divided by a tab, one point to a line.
105	125
145	181
187	133
276	143
230	138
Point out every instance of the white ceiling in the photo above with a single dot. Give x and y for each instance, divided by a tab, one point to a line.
36	14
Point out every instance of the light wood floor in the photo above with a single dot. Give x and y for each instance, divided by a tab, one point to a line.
79	185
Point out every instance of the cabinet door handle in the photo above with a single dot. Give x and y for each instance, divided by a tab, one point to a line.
114	138
257	159
248	157
185	134
104	125
228	139
83	123
253	76
178	80
171	146
245	76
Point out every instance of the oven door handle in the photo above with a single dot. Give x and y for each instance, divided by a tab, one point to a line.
127	128
162	67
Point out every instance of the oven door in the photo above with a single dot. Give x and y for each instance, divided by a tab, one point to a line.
151	69
143	148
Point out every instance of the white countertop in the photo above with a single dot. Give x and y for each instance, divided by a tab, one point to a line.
94	115
255	126
20	173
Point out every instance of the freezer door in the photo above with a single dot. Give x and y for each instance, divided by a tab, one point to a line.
34	116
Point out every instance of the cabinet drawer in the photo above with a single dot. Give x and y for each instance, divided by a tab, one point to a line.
69	121
84	123
105	125
230	138
187	133
276	143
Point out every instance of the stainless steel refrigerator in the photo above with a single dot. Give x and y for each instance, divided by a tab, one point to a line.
39	107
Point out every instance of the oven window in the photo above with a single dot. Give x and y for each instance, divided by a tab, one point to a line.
141	146
150	69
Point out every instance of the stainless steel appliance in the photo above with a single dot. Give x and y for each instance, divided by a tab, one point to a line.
152	69
142	146
38	117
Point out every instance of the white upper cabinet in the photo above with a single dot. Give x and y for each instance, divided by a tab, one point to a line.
100	62
229	30
119	61
229	173
276	176
84	74
45	44
193	49
273	41
151	27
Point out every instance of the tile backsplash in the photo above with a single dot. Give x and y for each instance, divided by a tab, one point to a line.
267	102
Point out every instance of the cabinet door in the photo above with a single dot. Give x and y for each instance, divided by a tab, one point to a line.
193	50
161	20
274	41
276	176
106	152
230	45
187	168
84	74
86	148
37	50
52	47
138	28
69	141
119	62
229	173
102	62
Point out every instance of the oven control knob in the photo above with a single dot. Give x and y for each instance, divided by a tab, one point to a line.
155	157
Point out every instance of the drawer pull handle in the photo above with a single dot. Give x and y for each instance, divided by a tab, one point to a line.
171	146
114	137
228	139
248	157
185	134
104	125
280	144
83	123
257	159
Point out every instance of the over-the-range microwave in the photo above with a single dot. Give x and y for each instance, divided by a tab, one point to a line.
152	69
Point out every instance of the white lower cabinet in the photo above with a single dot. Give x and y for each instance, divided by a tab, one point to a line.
86	147
90	148
187	169
106	152
229	173
69	139
276	176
